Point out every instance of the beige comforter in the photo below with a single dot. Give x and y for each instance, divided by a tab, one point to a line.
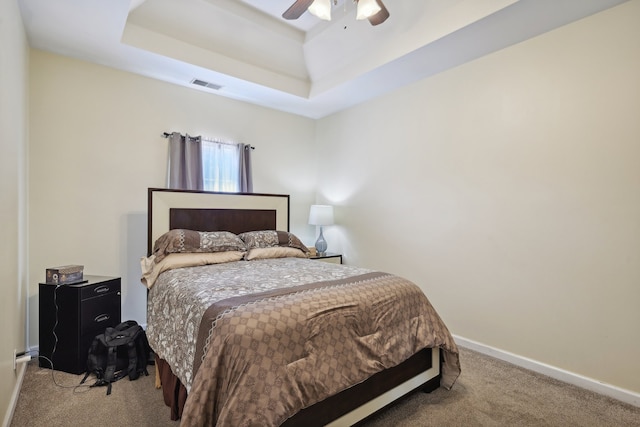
260	353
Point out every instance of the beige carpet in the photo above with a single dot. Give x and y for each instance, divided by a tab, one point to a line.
488	393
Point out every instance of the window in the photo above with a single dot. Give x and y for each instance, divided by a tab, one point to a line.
199	164
220	162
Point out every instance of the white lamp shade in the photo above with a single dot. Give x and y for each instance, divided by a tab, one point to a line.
367	8
321	9
321	215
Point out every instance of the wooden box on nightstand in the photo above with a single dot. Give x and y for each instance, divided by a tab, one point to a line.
71	316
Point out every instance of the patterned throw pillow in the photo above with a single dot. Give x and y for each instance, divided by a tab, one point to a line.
181	241
258	241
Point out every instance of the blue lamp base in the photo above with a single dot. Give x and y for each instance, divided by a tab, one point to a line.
321	244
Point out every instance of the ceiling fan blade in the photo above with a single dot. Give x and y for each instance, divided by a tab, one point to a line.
297	9
381	16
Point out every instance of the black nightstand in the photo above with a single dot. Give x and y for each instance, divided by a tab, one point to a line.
328	257
81	311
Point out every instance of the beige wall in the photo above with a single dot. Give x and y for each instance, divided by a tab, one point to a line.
13	140
509	193
96	148
509	189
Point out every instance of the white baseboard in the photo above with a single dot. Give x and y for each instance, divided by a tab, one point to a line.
623	395
20	370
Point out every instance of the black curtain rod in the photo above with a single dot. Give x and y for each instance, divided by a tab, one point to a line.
167	135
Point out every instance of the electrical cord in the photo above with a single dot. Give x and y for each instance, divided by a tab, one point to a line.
55	345
53	378
55	325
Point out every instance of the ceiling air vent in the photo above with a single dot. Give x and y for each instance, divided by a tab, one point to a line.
206	84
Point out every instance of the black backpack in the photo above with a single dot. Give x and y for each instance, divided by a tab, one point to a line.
119	352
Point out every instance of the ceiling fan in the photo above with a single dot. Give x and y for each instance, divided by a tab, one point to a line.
373	10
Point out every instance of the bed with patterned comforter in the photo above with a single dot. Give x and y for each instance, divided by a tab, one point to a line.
254	342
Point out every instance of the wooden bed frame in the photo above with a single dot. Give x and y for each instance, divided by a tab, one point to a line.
241	212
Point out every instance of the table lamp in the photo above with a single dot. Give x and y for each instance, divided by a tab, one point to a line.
321	215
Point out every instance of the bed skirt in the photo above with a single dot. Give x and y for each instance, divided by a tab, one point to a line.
174	393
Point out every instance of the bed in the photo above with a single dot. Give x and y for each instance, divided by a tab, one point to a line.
286	341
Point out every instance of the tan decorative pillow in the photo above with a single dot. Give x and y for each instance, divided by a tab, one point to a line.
274	252
151	267
181	241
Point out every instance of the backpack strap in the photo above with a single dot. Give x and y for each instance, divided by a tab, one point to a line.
138	353
112	357
95	358
85	376
143	350
110	376
132	369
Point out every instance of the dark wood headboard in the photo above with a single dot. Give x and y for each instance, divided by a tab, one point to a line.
211	211
233	220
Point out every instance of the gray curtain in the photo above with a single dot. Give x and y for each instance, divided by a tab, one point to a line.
185	162
246	176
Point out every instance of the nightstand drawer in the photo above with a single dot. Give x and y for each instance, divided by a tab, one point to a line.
99	312
99	289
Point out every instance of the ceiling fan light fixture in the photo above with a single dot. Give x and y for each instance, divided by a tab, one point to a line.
366	9
321	9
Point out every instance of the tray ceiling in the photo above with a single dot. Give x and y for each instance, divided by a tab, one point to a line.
247	51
